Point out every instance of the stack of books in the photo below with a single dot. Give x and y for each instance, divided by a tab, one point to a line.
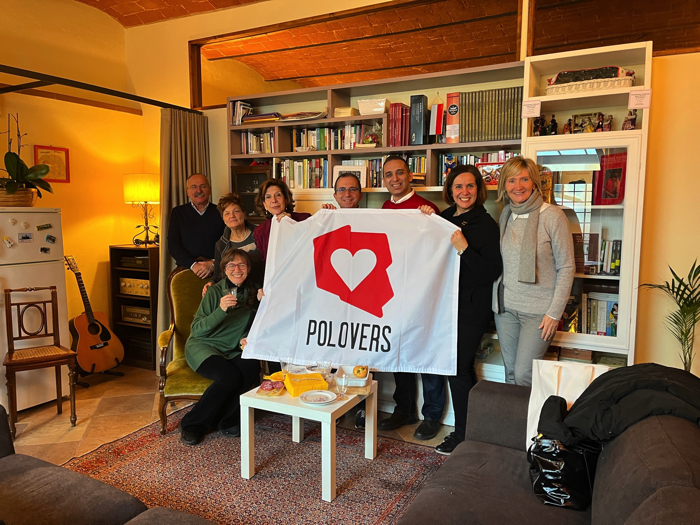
240	110
399	124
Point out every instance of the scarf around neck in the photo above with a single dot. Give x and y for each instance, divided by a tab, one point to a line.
528	248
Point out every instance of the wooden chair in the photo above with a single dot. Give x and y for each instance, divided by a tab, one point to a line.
18	360
177	380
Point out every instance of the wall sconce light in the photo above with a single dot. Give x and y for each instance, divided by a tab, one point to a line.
142	191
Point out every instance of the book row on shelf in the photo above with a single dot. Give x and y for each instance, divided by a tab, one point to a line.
592	260
257	142
492	114
592	309
576	355
316	172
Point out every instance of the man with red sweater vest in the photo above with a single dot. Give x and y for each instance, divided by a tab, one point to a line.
397	179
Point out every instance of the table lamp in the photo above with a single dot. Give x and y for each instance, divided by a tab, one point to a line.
142	190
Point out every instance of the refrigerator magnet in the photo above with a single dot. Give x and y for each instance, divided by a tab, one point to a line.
46	226
51	239
45	249
13	221
25	237
25	225
8	242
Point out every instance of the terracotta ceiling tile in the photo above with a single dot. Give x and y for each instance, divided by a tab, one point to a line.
130	21
148	17
250	48
211	54
127	8
304	30
174	11
151	4
197	6
222	4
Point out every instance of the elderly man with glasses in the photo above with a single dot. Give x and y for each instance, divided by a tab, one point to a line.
194	228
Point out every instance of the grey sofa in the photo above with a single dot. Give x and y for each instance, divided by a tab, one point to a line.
648	475
34	492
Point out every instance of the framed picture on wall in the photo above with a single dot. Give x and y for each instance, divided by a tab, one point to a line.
56	159
359	171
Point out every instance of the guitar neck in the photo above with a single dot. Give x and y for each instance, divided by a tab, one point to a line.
84	296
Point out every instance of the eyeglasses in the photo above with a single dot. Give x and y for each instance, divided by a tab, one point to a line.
194	187
233	266
349	190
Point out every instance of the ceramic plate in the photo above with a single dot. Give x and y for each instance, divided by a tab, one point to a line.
318	397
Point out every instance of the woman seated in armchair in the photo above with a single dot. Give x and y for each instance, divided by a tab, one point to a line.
213	351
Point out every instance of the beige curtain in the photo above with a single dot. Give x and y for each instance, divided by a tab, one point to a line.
184	150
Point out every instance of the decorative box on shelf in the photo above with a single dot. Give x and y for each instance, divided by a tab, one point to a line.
373	106
609	77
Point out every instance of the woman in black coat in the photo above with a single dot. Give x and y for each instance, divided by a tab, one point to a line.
477	244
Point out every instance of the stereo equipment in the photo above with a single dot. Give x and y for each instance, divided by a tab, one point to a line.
130	286
134	262
136	314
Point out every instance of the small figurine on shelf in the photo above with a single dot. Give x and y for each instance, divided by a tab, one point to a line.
553	126
567	128
607	123
588	126
538	126
630	120
599	126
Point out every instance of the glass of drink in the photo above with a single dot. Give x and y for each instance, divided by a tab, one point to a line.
341	384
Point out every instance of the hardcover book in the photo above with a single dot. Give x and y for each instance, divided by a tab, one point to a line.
419	120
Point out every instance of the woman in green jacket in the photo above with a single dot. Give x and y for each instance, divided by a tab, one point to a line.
213	350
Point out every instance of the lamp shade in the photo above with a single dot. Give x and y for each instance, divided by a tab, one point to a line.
141	187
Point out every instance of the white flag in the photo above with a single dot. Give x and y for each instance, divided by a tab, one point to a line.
360	287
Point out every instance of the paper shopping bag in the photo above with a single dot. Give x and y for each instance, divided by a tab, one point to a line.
557	378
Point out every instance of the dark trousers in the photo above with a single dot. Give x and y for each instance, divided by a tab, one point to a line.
469	336
220	402
433	395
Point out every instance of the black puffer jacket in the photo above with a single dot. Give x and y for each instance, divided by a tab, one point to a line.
620	398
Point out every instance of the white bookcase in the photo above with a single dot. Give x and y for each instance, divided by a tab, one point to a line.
581	153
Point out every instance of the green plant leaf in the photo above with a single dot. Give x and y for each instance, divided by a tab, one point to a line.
37	172
42	184
12	162
12	186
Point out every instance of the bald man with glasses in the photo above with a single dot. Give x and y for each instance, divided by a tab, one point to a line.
194	228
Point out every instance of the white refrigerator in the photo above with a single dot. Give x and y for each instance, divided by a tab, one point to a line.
31	255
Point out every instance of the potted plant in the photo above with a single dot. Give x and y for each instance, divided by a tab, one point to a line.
685	292
23	184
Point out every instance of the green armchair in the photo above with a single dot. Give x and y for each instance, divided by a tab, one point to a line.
177	380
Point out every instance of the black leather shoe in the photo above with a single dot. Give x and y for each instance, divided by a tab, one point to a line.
360	419
397	420
427	430
446	447
232	432
189	438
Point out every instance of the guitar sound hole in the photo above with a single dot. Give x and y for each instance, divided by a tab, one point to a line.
94	328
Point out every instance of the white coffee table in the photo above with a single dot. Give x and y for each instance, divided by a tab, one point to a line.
325	414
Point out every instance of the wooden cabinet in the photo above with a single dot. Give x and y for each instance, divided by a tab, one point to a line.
134	288
279	138
245	181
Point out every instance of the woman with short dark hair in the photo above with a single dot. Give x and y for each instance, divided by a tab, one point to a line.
238	233
477	245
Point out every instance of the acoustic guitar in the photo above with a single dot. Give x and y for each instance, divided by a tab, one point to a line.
97	347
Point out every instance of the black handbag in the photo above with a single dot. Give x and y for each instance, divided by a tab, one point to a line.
563	475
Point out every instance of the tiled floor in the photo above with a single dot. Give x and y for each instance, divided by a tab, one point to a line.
113	407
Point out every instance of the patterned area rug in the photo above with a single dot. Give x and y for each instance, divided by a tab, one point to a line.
206	480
